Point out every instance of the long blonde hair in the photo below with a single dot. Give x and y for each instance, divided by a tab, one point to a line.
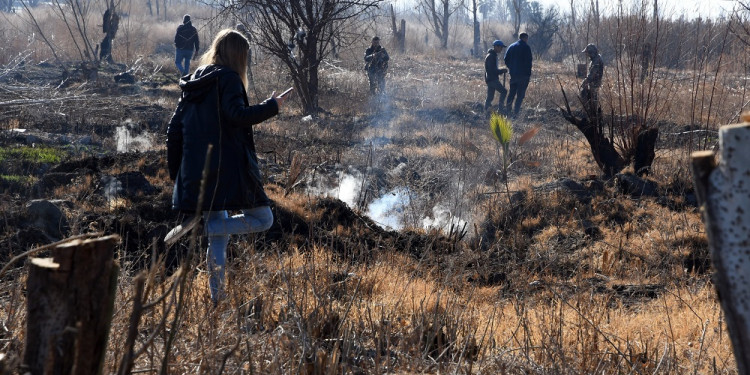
229	48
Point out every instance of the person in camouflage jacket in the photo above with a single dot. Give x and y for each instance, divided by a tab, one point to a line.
593	81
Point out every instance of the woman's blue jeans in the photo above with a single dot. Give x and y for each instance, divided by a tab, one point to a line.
219	226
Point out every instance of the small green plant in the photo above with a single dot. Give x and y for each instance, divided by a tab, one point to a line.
32	154
502	130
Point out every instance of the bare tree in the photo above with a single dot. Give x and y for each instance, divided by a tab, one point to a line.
739	22
477	36
27	9
300	33
74	14
517	8
398	33
544	26
110	25
439	13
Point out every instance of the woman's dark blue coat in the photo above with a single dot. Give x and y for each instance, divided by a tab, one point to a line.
214	110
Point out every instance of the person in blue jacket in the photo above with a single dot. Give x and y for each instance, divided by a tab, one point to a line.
518	60
214	111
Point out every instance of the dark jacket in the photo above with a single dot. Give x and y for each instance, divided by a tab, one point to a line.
214	110
491	72
186	37
376	59
518	59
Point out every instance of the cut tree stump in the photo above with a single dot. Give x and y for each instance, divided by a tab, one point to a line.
69	307
724	196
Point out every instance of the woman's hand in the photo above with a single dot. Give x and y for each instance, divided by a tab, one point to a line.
282	97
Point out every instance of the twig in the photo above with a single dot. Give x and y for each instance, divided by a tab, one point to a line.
594	326
126	364
41	101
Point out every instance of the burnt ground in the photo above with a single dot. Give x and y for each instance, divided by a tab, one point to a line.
98	189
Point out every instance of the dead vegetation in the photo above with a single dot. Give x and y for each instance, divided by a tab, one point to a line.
559	271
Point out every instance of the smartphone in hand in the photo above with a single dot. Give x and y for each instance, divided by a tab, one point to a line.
285	92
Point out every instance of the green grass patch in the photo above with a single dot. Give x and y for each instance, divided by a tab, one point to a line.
32	154
16	179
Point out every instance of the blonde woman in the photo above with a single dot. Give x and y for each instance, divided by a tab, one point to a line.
214	110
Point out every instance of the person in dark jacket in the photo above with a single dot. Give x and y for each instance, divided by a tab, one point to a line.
593	81
214	117
518	60
492	76
376	65
185	41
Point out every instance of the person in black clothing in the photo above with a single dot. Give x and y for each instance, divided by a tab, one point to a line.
518	60
492	76
376	65
185	41
214	111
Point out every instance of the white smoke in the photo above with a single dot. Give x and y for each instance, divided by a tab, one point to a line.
388	210
348	189
442	219
127	140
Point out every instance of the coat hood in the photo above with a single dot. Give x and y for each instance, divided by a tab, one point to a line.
196	86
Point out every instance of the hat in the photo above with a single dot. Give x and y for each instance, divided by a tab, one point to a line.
375	38
240	27
186	18
498	43
591	48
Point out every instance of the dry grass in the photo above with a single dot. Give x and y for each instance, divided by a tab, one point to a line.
544	282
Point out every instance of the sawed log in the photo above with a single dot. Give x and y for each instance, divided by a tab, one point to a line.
723	192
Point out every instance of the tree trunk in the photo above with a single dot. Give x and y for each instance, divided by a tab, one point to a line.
644	150
724	195
69	308
604	152
516	18
477	37
399	34
402	36
110	25
445	24
308	75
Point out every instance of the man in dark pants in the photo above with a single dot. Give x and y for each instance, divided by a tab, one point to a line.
185	40
518	60
492	76
376	65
